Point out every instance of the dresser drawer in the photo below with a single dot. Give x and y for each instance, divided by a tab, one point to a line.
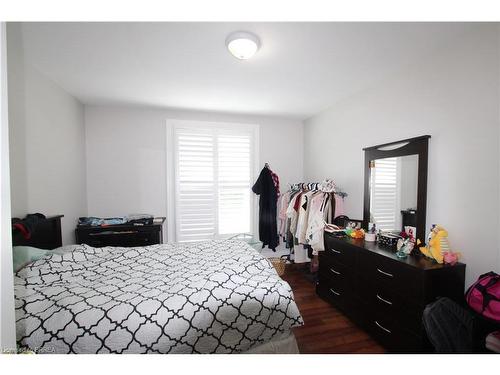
122	235
392	334
336	292
383	294
390	276
339	252
331	267
394	306
120	239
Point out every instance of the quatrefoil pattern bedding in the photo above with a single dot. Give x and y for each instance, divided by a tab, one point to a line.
210	297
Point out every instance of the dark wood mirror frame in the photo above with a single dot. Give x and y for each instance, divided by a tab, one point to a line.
412	146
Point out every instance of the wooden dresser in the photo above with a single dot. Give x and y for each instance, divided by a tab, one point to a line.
124	235
383	294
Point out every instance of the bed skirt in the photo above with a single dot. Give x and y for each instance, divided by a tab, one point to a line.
286	344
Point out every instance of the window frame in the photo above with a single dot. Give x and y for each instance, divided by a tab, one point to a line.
172	166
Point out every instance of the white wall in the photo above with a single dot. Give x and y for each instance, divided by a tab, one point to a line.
126	155
7	326
47	143
452	95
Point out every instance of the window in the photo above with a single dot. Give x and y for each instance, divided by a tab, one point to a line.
213	173
385	194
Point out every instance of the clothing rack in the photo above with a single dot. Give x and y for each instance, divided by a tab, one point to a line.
329	189
313	186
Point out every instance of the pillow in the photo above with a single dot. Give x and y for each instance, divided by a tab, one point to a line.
22	255
65	249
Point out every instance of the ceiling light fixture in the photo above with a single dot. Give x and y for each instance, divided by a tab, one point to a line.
242	44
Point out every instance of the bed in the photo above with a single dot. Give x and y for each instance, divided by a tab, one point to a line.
209	297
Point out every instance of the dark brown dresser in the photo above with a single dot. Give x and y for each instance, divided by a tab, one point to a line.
123	235
383	294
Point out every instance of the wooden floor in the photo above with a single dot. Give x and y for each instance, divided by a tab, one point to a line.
325	329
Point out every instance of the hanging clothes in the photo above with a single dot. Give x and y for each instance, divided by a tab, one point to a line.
276	181
284	200
303	219
304	211
291	219
301	252
316	223
339	206
268	198
293	212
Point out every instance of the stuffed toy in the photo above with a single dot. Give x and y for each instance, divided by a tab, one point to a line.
438	245
450	257
358	233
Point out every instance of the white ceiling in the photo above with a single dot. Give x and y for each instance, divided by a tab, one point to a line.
301	68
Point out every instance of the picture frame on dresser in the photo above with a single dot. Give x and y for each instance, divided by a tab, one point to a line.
353	223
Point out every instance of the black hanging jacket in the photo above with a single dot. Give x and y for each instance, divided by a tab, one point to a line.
268	230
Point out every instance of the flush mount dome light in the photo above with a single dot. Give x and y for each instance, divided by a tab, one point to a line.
242	44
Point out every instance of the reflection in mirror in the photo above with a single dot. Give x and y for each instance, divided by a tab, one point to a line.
393	193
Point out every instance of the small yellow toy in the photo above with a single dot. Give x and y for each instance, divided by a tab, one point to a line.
438	244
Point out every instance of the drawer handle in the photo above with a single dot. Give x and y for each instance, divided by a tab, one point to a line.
382	327
335	272
336	251
385	273
384	300
334	292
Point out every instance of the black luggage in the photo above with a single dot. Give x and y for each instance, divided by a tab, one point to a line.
449	327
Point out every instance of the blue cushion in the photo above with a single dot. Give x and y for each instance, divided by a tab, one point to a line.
23	255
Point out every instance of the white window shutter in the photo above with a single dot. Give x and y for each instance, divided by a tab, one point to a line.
384	194
195	185
234	173
213	176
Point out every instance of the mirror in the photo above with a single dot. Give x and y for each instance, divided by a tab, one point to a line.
396	186
393	193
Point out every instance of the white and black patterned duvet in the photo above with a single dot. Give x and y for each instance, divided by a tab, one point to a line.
212	297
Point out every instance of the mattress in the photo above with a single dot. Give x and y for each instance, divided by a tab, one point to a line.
210	297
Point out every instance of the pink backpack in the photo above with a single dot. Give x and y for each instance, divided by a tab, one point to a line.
484	296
